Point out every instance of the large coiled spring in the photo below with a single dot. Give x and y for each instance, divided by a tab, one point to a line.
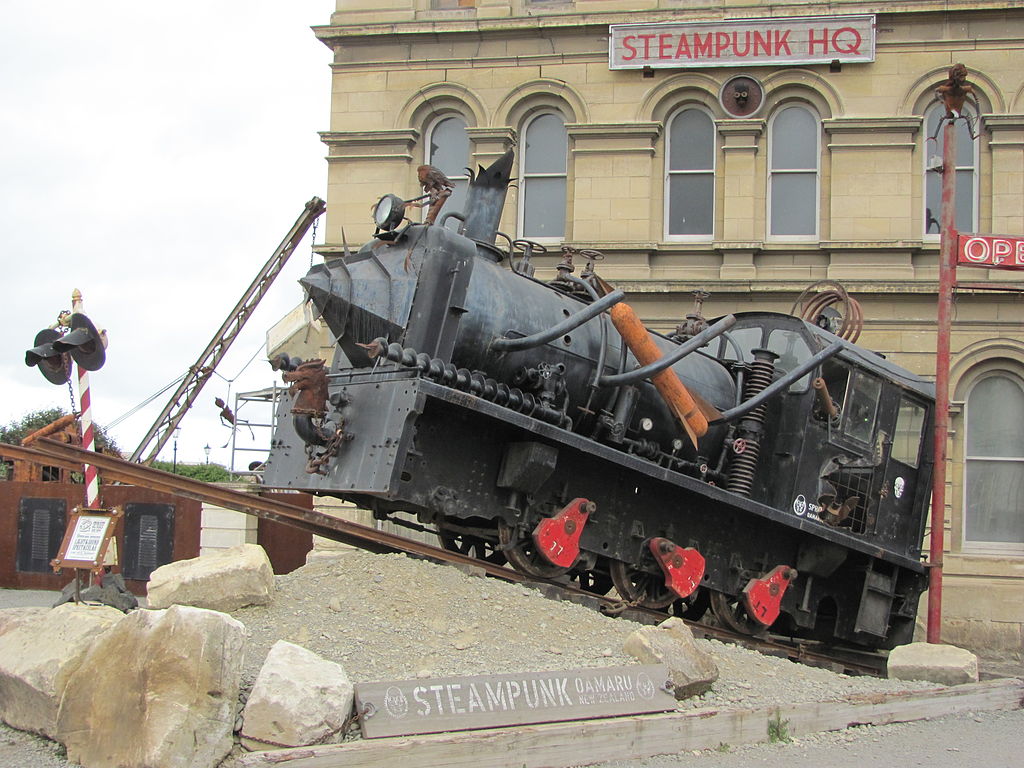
812	308
747	444
474	382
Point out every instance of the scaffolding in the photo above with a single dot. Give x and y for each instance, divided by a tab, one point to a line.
255	415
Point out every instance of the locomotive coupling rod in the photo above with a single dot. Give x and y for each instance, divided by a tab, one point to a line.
698	341
777	386
505	344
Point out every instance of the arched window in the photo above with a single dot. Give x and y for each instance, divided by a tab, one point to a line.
794	152
543	177
966	209
448	150
690	176
994	463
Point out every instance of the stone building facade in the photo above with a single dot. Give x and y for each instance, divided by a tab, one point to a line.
747	149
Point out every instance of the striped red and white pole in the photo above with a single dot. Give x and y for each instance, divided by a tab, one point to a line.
92	481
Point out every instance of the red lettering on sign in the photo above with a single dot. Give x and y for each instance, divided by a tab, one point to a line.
746	44
647	44
782	41
721	42
702	46
627	43
813	41
683	50
762	43
664	46
853	47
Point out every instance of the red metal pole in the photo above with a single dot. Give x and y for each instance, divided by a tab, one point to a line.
92	483
947	277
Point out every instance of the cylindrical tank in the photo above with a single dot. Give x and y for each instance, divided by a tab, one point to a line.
500	302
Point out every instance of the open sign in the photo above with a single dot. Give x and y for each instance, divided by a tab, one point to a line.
1000	251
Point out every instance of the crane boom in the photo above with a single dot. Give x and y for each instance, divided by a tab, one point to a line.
198	374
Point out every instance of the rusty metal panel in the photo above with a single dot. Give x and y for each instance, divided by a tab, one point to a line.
488	701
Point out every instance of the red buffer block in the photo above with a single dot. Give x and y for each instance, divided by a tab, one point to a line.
763	597
558	537
683	568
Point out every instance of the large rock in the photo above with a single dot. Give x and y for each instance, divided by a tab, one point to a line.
15	617
220	581
933	662
160	691
40	648
691	670
298	699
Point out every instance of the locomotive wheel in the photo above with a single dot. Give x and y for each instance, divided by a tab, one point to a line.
523	555
695	606
595	582
472	546
640	587
732	615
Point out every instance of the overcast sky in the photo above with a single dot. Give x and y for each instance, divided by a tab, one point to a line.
153	155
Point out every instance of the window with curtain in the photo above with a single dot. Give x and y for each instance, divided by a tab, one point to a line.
690	175
543	177
965	217
793	162
448	150
994	463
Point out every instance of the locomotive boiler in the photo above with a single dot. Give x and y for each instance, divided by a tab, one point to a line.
757	466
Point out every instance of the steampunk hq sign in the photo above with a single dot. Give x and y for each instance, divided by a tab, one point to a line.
746	42
486	701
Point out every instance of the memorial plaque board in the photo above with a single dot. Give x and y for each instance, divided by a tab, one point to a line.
488	701
86	539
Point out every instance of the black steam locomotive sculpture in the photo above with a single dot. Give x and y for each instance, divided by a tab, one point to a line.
759	466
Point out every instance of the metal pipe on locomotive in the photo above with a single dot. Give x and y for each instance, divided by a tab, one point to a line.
510	415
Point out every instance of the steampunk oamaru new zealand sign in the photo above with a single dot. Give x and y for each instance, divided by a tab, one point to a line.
487	701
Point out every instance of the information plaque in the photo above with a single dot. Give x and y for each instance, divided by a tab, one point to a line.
88	535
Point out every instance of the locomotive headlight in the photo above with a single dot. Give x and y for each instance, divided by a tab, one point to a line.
646	424
389	212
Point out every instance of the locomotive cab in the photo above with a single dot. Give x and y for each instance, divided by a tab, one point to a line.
848	445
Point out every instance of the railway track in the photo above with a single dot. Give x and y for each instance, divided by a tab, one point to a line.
113	469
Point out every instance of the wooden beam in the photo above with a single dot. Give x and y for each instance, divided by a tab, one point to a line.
637	737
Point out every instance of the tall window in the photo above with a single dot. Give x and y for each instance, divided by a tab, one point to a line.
543	182
690	175
965	218
794	152
994	464
448	150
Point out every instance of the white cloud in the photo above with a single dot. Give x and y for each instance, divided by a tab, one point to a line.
153	155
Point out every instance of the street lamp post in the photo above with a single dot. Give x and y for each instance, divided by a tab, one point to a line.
206	450
174	461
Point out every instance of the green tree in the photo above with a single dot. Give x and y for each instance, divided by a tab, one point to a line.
208	473
17	430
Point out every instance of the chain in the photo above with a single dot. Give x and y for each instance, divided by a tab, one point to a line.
71	394
312	243
614	609
62	318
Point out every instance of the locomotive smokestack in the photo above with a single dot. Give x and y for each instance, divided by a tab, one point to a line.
487	198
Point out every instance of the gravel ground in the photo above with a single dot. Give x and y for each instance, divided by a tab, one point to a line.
387	617
391	617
